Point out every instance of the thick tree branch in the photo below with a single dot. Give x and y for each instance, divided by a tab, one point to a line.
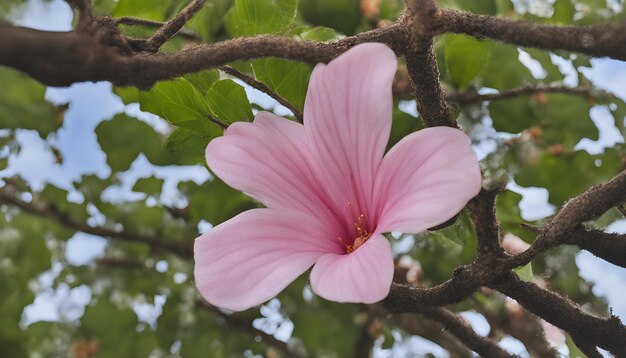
464	282
483	213
607	40
171	28
422	64
263	88
64	58
607	333
103	54
607	246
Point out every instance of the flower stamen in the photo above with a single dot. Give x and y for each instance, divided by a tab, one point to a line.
362	234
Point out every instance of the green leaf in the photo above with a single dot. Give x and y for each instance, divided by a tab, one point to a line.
188	143
208	21
465	58
58	198
525	272
553	73
181	104
320	33
150	186
22	104
254	17
509	215
152	10
287	78
127	94
215	201
564	12
122	138
228	102
504	71
115	331
458	232
341	15
512	115
439	252
403	124
486	7
203	80
568	174
389	339
558	111
574	351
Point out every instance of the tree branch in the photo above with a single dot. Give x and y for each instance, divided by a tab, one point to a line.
263	88
608	333
217	121
432	331
517	323
606	40
586	206
48	210
61	59
246	327
483	213
607	246
421	64
171	28
133	21
464	98
460	329
464	282
85	13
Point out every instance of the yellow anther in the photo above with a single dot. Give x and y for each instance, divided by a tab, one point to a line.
362	234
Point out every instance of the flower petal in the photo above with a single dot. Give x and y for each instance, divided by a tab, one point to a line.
426	179
255	255
347	116
363	275
268	159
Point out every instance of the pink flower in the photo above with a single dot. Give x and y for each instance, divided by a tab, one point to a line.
329	192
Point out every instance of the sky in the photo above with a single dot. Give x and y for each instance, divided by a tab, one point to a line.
92	103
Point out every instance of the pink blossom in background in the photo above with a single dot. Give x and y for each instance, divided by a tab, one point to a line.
513	245
329	192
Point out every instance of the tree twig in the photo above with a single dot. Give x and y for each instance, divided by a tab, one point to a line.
464	98
85	13
217	121
246	327
172	27
49	211
520	324
586	206
252	82
133	21
455	325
